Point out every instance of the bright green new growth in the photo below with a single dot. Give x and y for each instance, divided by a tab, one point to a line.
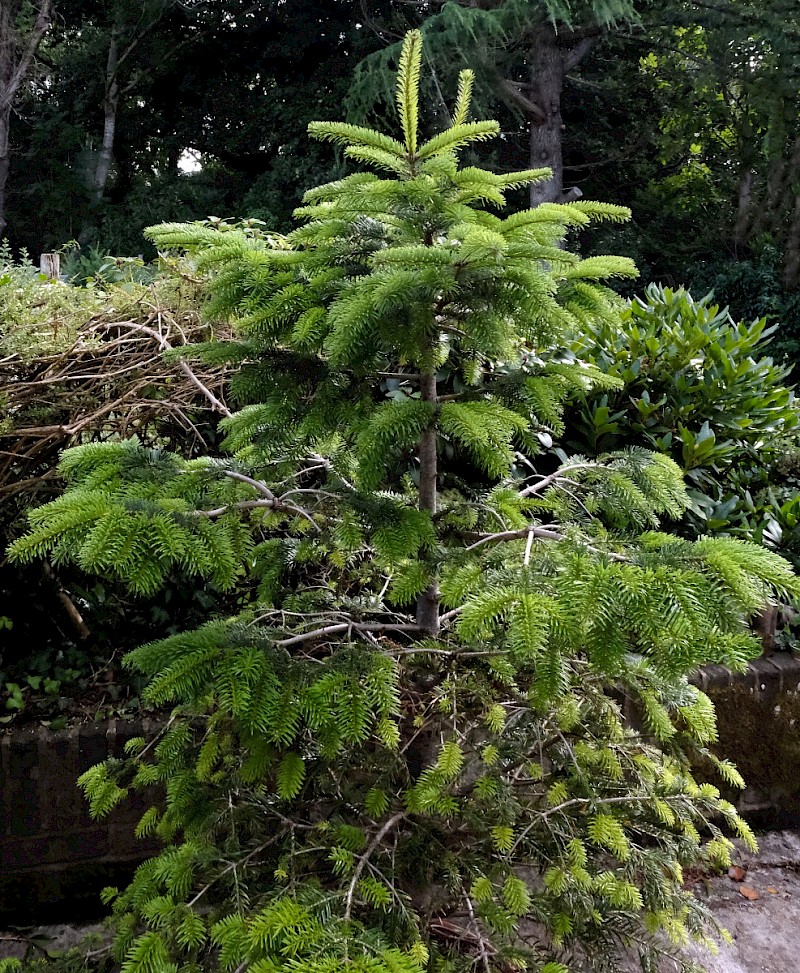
403	755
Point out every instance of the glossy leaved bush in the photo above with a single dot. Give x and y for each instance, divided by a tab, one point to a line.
408	753
702	388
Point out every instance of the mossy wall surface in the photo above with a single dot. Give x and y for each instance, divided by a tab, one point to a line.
758	717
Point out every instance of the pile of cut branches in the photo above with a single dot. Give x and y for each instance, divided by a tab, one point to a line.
111	381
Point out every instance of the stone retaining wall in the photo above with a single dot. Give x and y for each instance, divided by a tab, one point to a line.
51	851
758	716
54	857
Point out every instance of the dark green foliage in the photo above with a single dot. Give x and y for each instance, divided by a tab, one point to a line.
699	387
233	82
350	785
753	288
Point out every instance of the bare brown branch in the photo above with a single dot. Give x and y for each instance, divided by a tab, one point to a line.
112	381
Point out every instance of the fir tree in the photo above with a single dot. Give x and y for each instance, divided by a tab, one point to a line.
404	755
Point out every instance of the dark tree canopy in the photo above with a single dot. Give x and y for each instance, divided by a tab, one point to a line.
687	109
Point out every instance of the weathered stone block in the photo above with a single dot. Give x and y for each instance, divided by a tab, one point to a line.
47	838
758	718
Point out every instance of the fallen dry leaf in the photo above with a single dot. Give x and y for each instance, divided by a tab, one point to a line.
748	893
736	873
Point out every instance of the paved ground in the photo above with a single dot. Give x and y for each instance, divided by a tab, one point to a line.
14	942
761	911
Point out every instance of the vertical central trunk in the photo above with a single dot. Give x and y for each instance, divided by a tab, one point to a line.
547	83
428	601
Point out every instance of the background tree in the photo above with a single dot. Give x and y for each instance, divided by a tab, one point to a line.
232	84
522	52
737	69
22	28
685	110
403	754
126	29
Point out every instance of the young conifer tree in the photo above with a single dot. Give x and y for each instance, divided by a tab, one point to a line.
404	754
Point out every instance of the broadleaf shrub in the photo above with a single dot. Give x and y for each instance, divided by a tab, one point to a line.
702	388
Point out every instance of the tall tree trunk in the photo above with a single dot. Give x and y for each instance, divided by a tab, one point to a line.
547	83
110	109
551	57
791	252
5	164
8	12
114	92
16	54
771	212
762	217
428	601
741	229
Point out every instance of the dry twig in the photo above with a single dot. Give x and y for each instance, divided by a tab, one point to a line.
113	381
